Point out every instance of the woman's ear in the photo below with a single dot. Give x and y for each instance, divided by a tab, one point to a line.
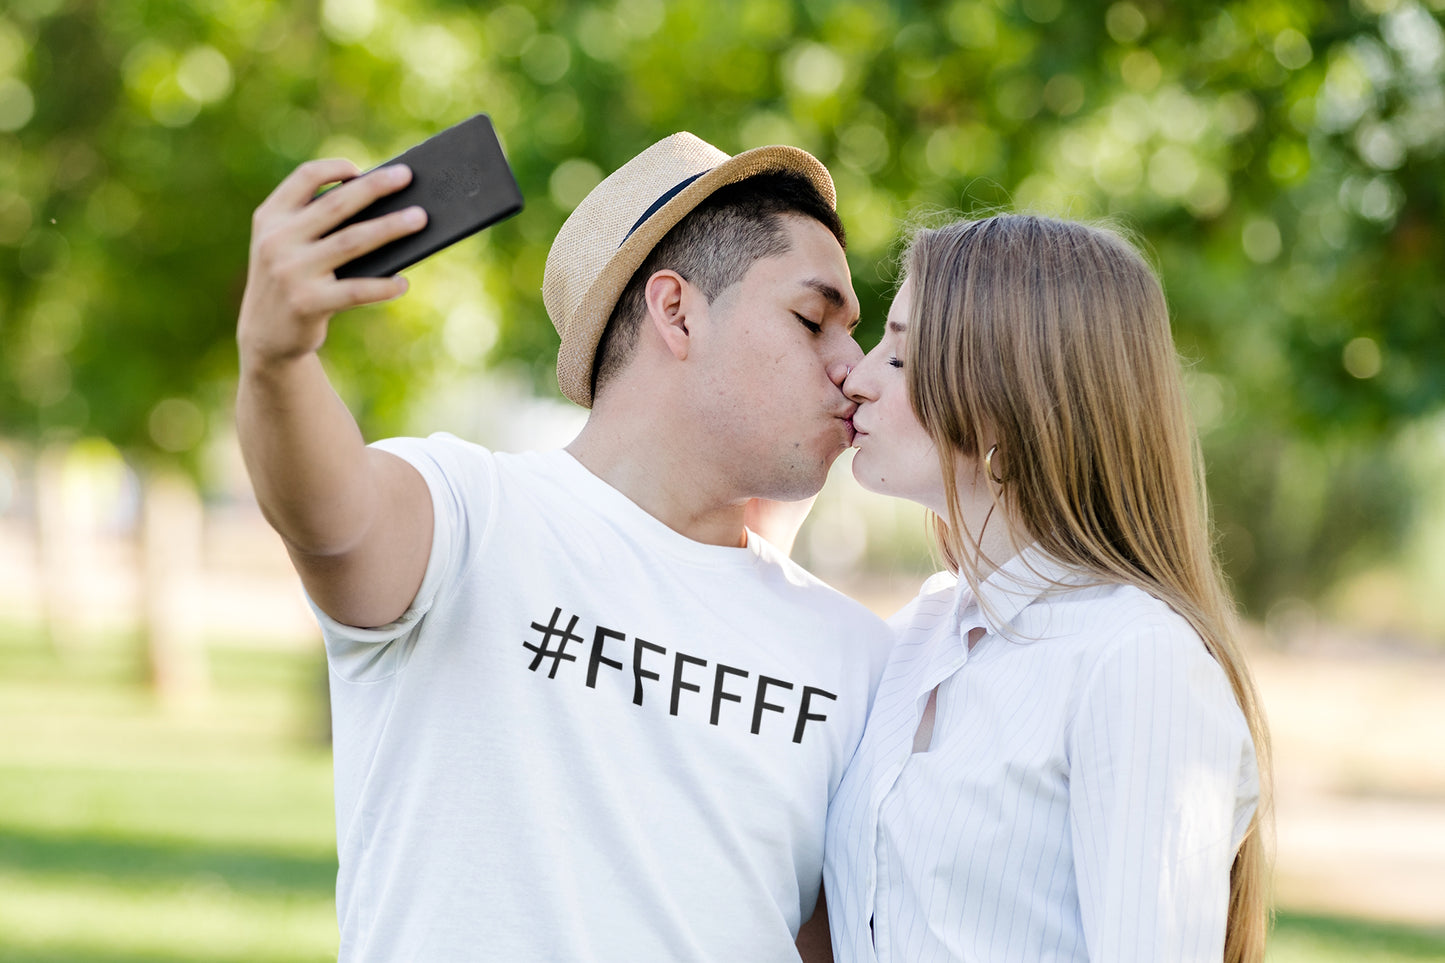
665	297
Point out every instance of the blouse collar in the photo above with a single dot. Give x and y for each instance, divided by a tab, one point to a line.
1013	587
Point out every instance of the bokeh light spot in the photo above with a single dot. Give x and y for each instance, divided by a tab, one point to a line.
17	104
1042	11
814	69
1172	171
12	48
1141	70
1064	94
864	146
1362	358
1292	49
571	181
510	27
348	21
1380	146
15	218
1380	199
1125	22
176	425
546	58
204	74
1261	240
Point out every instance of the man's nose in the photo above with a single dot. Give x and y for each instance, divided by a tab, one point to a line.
846	361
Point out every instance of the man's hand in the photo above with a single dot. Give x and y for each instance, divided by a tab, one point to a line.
815	942
356	521
291	287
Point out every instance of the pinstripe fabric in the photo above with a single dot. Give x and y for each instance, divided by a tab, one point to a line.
1089	779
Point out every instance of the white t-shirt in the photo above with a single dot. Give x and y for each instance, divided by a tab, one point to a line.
589	738
1088	782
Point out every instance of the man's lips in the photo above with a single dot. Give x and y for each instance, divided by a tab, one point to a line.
846	417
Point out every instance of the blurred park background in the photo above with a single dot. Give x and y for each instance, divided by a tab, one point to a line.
164	766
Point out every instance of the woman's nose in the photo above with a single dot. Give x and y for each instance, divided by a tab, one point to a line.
857	386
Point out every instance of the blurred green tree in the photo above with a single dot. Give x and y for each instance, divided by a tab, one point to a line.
1281	159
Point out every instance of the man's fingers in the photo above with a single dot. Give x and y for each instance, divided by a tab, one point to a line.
340	295
336	205
302	184
366	236
370	290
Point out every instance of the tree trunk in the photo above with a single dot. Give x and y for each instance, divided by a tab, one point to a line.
60	553
171	532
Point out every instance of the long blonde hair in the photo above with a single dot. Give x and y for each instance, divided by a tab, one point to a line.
1054	336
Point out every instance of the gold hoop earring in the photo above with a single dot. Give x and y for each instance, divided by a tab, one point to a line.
988	466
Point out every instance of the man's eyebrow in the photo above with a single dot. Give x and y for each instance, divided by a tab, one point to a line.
833	296
830	293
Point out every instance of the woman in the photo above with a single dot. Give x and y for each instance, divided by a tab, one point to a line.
1061	761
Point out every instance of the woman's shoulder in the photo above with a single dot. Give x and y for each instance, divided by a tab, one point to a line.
1121	607
1107	621
1124	632
934	602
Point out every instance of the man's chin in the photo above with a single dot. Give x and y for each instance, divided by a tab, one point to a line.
803	486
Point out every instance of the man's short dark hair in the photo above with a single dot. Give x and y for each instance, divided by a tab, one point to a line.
713	247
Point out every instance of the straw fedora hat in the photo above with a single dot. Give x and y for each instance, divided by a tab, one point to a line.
607	237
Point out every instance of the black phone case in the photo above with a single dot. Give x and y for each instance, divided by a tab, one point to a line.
461	178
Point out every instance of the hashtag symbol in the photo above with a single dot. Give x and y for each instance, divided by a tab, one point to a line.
550	632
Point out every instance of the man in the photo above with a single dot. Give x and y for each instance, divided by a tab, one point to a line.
580	712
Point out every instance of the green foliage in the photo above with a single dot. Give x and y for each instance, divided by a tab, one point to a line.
1282	160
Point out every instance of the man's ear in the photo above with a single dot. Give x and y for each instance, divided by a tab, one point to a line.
666	297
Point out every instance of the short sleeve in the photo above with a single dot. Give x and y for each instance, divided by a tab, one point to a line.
461	479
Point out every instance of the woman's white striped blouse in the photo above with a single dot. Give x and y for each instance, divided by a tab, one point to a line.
1089	779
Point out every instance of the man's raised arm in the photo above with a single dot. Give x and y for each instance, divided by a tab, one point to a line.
356	521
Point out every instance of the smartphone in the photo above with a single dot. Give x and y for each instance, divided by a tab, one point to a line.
462	180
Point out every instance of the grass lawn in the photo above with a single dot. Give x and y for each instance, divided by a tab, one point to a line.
130	833
134	834
1308	938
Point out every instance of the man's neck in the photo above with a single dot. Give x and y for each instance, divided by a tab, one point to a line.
663	476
